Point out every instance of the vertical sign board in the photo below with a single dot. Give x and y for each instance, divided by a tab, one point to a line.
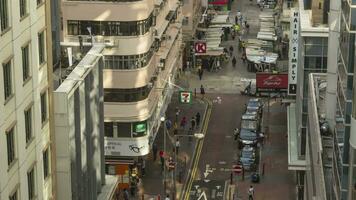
293	53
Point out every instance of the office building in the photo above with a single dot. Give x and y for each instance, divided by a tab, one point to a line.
26	100
141	61
308	50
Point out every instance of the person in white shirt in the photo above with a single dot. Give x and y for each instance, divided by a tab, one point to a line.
251	193
177	145
167	197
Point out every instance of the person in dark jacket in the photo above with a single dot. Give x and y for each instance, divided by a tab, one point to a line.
234	61
202	91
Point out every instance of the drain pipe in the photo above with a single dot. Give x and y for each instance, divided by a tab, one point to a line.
333	51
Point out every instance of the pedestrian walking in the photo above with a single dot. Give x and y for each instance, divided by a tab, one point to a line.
175	128
200	73
251	193
183	122
192	123
126	194
143	167
177	111
197	119
161	156
202	91
236	133
167	197
154	151
234	61
168	124
231	49
243	57
177	145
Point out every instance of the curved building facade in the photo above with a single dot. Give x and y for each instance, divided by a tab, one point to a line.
142	57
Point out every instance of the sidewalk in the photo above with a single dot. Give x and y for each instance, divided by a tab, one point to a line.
277	183
152	183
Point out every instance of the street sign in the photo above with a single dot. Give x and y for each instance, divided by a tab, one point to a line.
185	97
237	169
200	47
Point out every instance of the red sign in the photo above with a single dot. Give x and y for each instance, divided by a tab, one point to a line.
237	169
200	47
271	81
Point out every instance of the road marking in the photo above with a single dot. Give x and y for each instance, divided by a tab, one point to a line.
199	150
222	162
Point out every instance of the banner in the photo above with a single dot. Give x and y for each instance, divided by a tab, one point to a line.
271	81
293	53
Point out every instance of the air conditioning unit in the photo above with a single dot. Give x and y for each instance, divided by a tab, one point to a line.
109	42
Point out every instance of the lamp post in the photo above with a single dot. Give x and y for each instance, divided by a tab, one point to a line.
163	119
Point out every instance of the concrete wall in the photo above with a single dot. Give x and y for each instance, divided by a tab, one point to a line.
79	129
26	94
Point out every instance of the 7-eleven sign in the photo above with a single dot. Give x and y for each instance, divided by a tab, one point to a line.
185	97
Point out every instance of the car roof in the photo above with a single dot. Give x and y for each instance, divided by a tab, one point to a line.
249	116
254	100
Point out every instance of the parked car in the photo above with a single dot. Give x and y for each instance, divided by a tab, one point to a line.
255	104
248	152
249	129
248	164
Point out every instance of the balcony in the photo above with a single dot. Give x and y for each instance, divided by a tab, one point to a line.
129	78
107	10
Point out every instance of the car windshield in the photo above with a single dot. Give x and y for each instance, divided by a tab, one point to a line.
249	124
253	104
246	154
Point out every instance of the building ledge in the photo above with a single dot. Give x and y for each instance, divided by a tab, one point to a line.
108	190
294	162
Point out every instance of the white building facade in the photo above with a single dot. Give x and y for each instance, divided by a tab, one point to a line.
142	56
25	88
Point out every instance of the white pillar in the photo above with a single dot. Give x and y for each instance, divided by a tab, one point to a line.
333	49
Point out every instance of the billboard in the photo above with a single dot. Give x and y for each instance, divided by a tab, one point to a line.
271	81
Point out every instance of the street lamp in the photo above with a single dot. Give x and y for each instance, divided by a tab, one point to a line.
163	119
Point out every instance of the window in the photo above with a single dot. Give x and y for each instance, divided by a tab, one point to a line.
31	183
23	9
4	15
128	61
45	164
28	124
44	107
10	141
39	2
41	47
126	95
109	129
7	80
111	28
25	63
13	196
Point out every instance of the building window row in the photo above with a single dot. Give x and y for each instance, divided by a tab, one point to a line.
125	129
108	0
128	61
126	95
4	15
111	28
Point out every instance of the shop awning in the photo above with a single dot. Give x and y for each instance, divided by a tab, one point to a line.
219	2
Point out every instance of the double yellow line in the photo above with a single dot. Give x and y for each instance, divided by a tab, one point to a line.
198	151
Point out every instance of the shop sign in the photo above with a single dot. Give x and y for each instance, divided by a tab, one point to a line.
271	81
293	53
185	97
200	47
140	127
126	146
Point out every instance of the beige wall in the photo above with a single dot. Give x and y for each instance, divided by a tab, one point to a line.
25	94
107	11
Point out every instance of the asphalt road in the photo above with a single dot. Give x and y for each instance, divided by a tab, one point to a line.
219	151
